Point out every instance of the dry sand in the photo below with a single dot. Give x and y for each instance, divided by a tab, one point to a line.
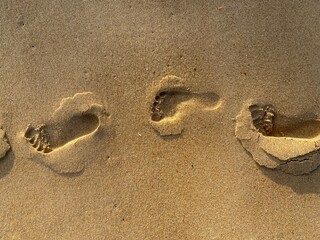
159	119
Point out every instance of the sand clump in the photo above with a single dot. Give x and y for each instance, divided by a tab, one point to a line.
273	148
4	145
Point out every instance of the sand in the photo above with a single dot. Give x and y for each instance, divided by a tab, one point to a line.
159	119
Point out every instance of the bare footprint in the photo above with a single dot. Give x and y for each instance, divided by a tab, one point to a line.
62	143
4	145
279	142
172	102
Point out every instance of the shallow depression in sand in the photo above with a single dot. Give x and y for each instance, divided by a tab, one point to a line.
75	127
167	102
172	102
67	138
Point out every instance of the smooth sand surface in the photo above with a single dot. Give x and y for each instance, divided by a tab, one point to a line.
113	170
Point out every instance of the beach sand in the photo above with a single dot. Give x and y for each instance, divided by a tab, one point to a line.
159	119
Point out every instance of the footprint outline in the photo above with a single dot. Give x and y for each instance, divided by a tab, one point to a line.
65	158
172	123
292	155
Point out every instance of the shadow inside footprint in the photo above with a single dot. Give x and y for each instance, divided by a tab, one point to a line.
295	127
173	102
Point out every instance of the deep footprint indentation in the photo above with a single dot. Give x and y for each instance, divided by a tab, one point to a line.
173	102
262	118
77	120
38	138
269	123
279	142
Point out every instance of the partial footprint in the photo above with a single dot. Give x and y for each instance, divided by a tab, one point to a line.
278	142
64	141
172	102
4	145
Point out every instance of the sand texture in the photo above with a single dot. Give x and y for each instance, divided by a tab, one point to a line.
159	119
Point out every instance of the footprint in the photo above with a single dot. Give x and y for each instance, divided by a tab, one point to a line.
4	145
64	141
278	142
173	102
